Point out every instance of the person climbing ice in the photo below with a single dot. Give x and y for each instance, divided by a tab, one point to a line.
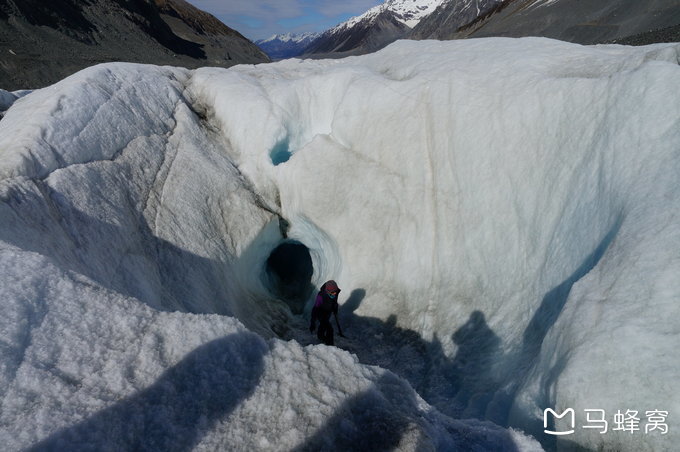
326	303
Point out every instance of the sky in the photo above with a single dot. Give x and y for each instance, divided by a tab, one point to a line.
259	19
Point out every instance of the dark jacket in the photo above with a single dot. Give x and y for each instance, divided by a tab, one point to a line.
324	306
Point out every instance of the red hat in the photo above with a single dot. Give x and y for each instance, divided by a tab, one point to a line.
331	286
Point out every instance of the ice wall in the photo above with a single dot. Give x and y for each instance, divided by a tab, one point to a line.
512	201
132	251
506	205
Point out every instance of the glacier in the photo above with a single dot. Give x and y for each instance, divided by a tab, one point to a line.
501	215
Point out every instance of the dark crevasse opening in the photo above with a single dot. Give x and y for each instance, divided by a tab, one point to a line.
289	274
281	152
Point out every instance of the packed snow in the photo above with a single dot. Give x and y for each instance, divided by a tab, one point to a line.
501	216
8	98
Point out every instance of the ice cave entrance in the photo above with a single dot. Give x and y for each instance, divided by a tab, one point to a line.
289	274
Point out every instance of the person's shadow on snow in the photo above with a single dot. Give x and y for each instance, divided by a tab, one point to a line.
372	420
458	385
478	348
351	304
179	408
385	416
376	419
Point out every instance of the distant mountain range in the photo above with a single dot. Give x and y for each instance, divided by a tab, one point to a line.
286	45
580	21
42	42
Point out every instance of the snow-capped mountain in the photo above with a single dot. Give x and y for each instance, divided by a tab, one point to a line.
408	12
286	45
374	29
42	42
584	22
295	38
453	14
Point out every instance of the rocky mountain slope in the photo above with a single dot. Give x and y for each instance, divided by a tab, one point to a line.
373	30
452	15
580	21
43	42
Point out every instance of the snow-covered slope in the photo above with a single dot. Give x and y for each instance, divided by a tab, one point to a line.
451	15
376	28
500	214
408	12
286	45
